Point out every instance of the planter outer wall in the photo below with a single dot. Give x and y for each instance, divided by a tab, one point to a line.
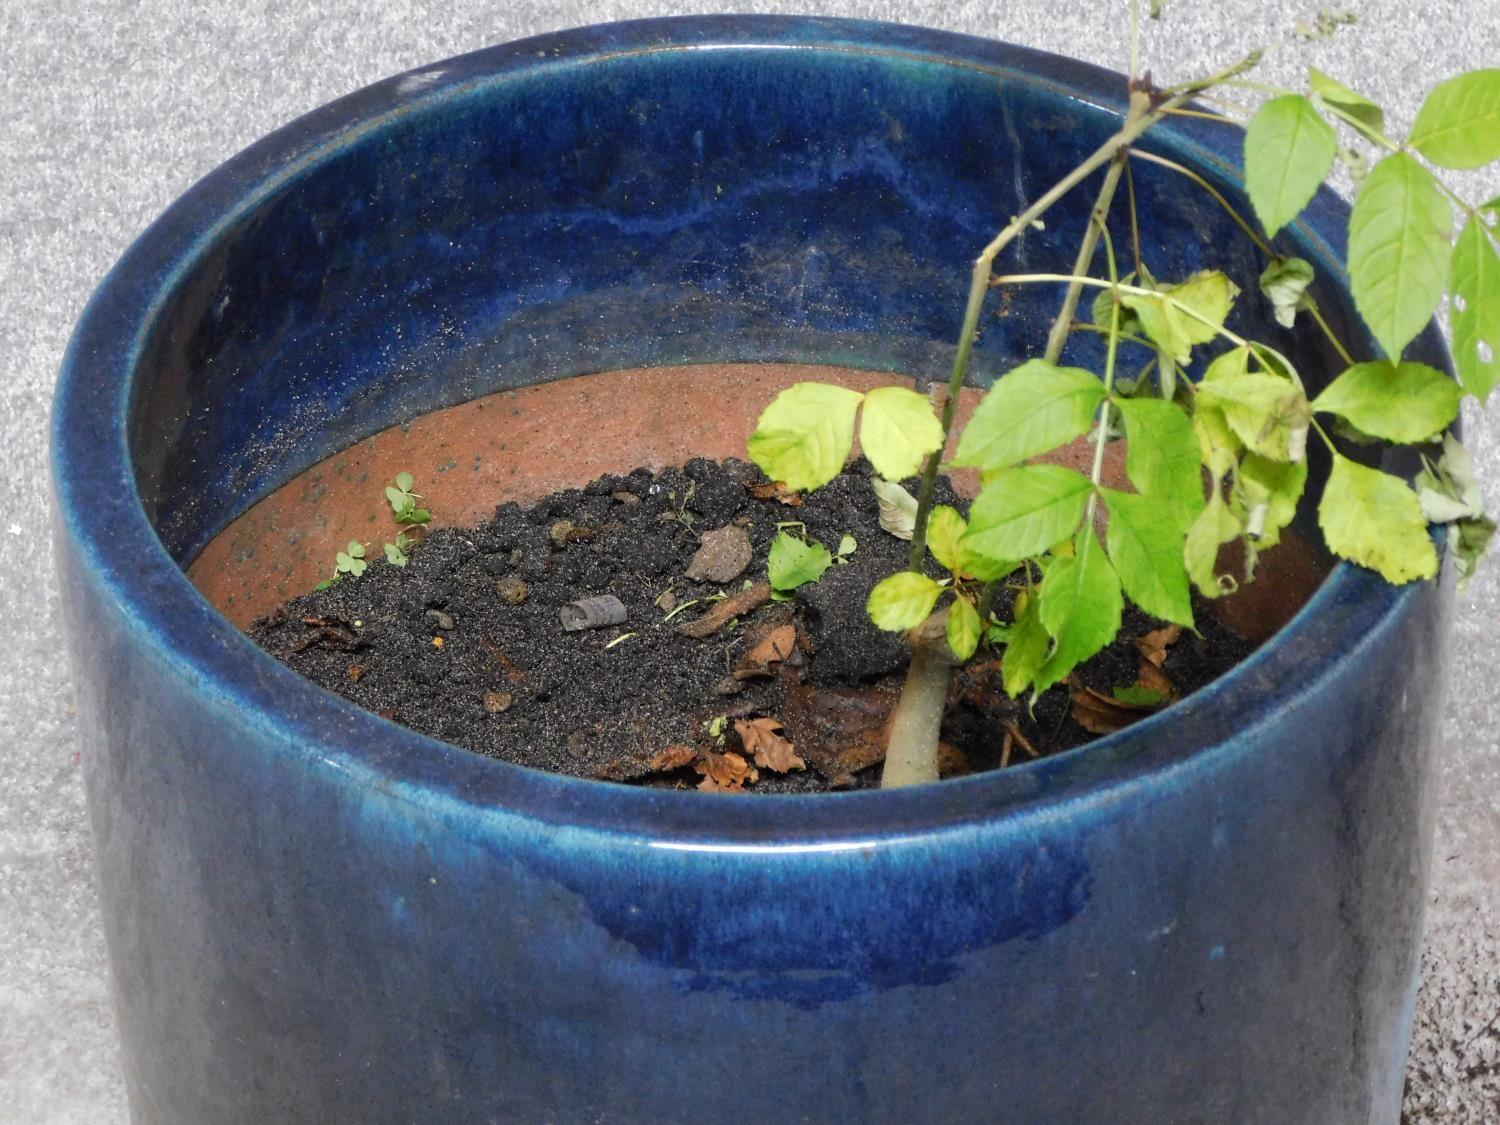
313	915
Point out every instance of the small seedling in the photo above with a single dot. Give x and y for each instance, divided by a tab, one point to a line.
404	501
847	546
399	552
351	560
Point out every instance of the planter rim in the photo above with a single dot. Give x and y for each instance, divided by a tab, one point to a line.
99	517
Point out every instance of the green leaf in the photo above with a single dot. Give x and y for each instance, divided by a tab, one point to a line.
1100	313
898	508
1475	310
1271	491
903	601
1458	125
898	431
410	513
847	546
1214	527
1403	403
1162	457
1289	151
963	628
794	563
1026	650
1137	696
1266	412
1081	607
945	527
1145	542
1453	492
804	436
1030	410
1398	250
1363	114
404	482
1376	520
395	555
1285	282
398	499
1025	511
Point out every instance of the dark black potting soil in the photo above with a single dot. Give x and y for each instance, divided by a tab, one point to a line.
465	643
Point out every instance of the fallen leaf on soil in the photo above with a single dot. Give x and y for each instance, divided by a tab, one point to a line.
1153	645
777	491
1098	713
336	637
772	752
762	661
1153	679
898	508
839	731
736	605
674	757
725	772
722	557
511	669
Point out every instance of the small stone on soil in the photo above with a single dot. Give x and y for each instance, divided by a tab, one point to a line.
724	556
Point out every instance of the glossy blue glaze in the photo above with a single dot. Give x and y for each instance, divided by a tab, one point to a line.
316	916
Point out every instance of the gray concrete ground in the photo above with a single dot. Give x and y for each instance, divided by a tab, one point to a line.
110	108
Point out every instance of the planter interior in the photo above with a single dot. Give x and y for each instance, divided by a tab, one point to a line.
1085	938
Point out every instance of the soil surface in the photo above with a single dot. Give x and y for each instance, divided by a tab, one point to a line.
466	643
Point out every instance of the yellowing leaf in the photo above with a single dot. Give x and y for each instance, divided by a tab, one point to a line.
1214	527
1398	250
902	601
898	508
898	431
1266	412
1289	151
1458	125
1376	520
1404	403
963	628
1475	310
1026	650
805	435
945	527
1025	511
1285	285
1271	492
1208	294
1145	542
1030	410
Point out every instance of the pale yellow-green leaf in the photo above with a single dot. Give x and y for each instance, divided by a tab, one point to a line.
1032	409
1215	526
1475	310
1145	542
1399	250
1275	487
1375	519
945	527
1458	125
1025	511
1404	403
898	431
805	435
902	601
1026	651
963	628
1289	151
1362	114
1266	412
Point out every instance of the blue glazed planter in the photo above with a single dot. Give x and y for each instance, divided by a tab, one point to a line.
316	916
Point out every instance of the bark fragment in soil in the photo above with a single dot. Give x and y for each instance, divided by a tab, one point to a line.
464	643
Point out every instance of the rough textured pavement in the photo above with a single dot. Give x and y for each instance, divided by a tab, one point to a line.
110	108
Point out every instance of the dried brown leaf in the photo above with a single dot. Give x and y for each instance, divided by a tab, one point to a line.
1153	645
674	757
1152	678
761	738
777	491
725	772
762	661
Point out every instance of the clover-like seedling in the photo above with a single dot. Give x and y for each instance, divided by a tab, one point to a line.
399	552
404	501
351	560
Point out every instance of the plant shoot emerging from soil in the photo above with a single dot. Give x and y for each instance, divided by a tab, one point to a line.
1213	460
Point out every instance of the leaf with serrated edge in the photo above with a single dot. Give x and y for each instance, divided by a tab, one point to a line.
1032	409
1162	457
963	628
1026	650
1278	486
1404	403
1398	250
794	563
804	437
1458	125
1289	151
1266	412
1285	285
1475	309
1145	543
1210	294
1376	520
898	431
1215	526
1025	511
902	601
945	527
1081	607
1367	117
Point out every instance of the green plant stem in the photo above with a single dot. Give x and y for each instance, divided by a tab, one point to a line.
1133	290
1062	326
1111	351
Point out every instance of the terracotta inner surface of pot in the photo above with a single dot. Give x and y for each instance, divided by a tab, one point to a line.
527	443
